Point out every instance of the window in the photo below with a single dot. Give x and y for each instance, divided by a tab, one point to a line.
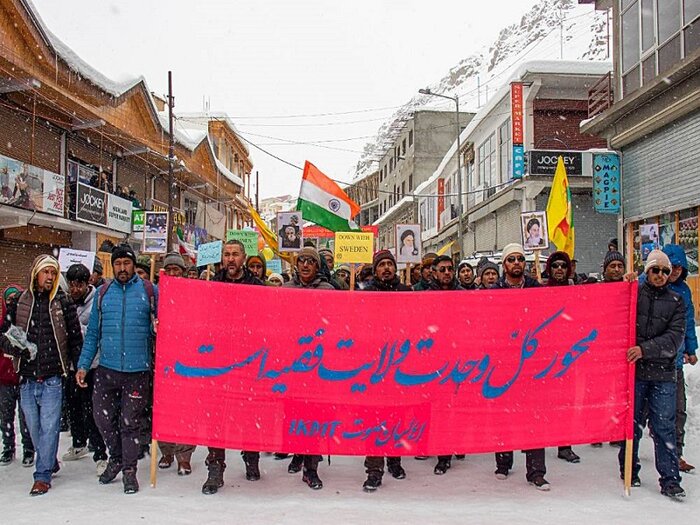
505	149
410	182
487	162
655	36
410	138
190	206
403	147
403	188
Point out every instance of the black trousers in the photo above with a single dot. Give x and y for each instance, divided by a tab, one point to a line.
218	455
9	399
534	462
375	464
118	405
82	423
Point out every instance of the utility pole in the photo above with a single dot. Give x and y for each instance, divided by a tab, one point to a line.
257	191
171	160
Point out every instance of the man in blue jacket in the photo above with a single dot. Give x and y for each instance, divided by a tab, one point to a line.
686	353
121	329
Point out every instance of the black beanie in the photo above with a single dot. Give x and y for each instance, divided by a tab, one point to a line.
612	256
380	256
123	250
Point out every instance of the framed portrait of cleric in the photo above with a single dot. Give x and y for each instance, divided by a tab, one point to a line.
408	243
534	229
290	236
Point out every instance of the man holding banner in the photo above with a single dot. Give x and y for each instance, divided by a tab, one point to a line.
514	277
234	271
384	279
660	333
307	276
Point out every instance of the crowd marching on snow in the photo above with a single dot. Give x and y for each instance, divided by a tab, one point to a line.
79	354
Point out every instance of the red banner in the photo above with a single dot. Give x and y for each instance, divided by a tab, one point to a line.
331	372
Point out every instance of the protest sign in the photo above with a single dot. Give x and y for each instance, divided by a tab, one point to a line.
354	247
155	234
247	237
209	253
70	256
353	374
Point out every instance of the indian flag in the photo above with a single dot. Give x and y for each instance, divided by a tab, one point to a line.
322	202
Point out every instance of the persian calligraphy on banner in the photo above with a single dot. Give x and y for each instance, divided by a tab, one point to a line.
350	373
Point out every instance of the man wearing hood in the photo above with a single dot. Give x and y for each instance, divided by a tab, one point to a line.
384	279
466	275
661	329
561	273
79	400
257	265
687	350
307	276
233	271
47	341
514	277
122	328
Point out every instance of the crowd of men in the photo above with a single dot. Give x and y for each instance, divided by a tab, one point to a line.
90	347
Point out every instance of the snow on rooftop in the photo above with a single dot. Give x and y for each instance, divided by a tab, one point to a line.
228	173
392	210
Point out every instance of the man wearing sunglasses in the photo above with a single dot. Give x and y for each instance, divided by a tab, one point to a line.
561	273
307	275
661	326
514	276
234	271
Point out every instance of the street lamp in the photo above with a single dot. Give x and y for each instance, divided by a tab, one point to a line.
460	211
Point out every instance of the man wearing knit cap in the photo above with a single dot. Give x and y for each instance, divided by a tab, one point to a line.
514	277
660	332
307	276
174	265
384	279
487	273
233	271
257	266
122	329
96	278
143	267
426	272
41	332
466	275
613	267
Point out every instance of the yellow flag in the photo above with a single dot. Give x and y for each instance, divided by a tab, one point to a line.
560	213
268	235
444	249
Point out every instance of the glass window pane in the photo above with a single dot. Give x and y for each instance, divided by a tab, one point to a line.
630	37
649	69
626	3
691	9
630	82
669	54
648	37
692	38
669	18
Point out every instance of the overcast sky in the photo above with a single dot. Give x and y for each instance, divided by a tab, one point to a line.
264	61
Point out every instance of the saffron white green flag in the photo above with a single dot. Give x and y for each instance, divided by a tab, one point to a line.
322	202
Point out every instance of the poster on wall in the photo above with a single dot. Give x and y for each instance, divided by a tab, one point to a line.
30	187
650	238
155	234
606	183
408	243
535	235
290	236
517	132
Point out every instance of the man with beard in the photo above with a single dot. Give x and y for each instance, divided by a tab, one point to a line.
257	266
514	278
233	271
561	273
426	272
466	275
308	276
122	328
443	279
41	333
384	279
613	267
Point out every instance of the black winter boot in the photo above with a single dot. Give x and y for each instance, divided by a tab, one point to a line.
295	464
6	457
373	482
113	469
131	484
215	478
311	478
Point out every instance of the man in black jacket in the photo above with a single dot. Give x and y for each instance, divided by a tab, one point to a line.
514	277
660	332
384	279
42	334
234	271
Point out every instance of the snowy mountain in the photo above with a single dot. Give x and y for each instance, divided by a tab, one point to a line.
552	29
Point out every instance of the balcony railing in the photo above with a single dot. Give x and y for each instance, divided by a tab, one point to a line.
600	96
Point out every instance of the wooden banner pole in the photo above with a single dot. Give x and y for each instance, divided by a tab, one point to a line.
538	272
154	462
352	277
153	266
208	271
